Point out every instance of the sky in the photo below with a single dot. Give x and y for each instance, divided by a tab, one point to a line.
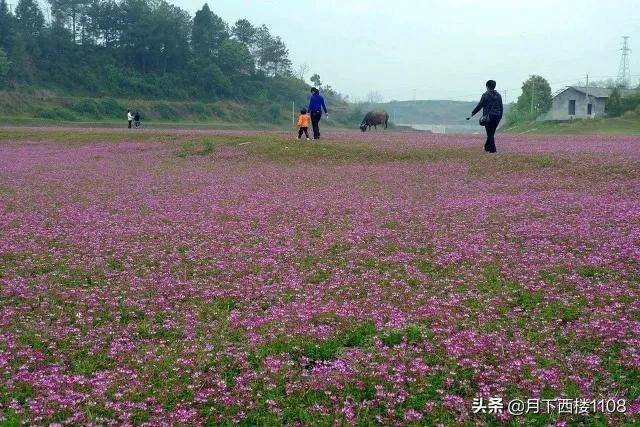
445	49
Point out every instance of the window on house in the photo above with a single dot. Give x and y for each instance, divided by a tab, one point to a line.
589	109
572	107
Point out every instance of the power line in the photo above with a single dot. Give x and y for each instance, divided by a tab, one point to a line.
624	72
516	90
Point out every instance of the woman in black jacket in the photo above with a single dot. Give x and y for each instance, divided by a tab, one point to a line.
491	104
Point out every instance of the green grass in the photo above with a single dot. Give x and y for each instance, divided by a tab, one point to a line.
33	107
275	148
314	350
627	124
148	124
43	108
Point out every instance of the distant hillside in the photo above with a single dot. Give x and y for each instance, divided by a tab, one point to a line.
424	112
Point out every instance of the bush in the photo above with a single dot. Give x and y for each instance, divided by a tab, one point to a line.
86	107
55	113
112	108
274	112
618	105
631	102
4	67
165	111
515	116
198	108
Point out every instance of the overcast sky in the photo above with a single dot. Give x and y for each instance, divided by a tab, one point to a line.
444	49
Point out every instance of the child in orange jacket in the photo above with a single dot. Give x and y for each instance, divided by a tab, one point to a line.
303	124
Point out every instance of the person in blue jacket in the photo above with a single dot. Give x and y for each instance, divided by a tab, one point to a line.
316	106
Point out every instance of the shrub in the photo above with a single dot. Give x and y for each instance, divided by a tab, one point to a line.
112	108
515	116
269	113
165	111
218	110
55	113
86	107
617	105
198	108
4	66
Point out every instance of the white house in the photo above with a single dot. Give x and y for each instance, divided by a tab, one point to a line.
579	102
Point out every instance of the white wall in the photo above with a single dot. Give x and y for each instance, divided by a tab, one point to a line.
560	106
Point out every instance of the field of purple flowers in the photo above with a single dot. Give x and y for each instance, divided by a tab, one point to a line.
197	278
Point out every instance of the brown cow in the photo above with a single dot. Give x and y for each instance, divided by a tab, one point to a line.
374	118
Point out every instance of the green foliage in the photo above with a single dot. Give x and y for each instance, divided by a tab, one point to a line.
315	79
55	113
21	105
358	336
87	107
165	111
538	90
617	104
614	103
110	107
4	66
29	17
515	116
534	101
273	113
6	24
208	32
272	54
244	32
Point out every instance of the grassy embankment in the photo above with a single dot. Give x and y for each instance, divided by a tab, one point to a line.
629	123
42	108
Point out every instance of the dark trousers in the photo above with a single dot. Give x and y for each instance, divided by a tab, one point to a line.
315	120
305	131
490	145
129	124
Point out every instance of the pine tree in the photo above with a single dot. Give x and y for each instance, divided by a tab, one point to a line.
6	26
29	18
208	32
244	32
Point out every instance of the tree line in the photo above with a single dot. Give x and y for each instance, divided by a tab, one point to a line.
144	49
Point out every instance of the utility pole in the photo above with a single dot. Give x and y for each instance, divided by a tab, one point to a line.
587	88
533	92
624	72
587	97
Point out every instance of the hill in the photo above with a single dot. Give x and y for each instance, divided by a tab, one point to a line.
38	106
441	112
92	61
